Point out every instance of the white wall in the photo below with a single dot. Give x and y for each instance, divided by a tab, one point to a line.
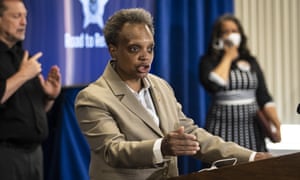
273	30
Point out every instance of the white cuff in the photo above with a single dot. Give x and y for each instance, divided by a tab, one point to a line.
252	156
217	79
158	157
270	104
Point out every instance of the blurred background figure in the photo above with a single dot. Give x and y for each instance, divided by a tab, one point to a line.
25	98
232	75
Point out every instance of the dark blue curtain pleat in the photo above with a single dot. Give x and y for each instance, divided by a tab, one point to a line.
66	152
72	142
182	33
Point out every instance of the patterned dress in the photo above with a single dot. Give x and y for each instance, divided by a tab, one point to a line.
234	117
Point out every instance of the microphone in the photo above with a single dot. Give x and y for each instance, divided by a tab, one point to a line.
298	109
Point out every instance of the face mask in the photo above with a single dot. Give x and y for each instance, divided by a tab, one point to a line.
233	38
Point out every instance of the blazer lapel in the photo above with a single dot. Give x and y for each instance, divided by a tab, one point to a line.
160	108
135	107
121	91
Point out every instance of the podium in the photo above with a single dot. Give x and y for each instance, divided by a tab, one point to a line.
286	167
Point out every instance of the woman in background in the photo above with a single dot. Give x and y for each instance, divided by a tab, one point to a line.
234	78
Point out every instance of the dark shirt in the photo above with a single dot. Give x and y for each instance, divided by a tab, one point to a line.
22	117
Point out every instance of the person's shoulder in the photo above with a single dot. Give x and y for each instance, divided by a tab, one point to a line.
250	58
209	60
155	78
92	87
94	92
159	83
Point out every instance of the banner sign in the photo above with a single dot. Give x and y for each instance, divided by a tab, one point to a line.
70	35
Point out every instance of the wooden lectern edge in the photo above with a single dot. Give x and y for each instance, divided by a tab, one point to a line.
284	167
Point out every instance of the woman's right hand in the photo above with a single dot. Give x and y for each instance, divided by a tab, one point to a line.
230	52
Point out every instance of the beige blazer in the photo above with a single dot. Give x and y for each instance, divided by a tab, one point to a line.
121	133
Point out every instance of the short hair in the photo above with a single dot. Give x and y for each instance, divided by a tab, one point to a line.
115	23
3	7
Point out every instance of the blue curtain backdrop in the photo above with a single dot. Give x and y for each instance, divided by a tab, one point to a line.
182	31
66	152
